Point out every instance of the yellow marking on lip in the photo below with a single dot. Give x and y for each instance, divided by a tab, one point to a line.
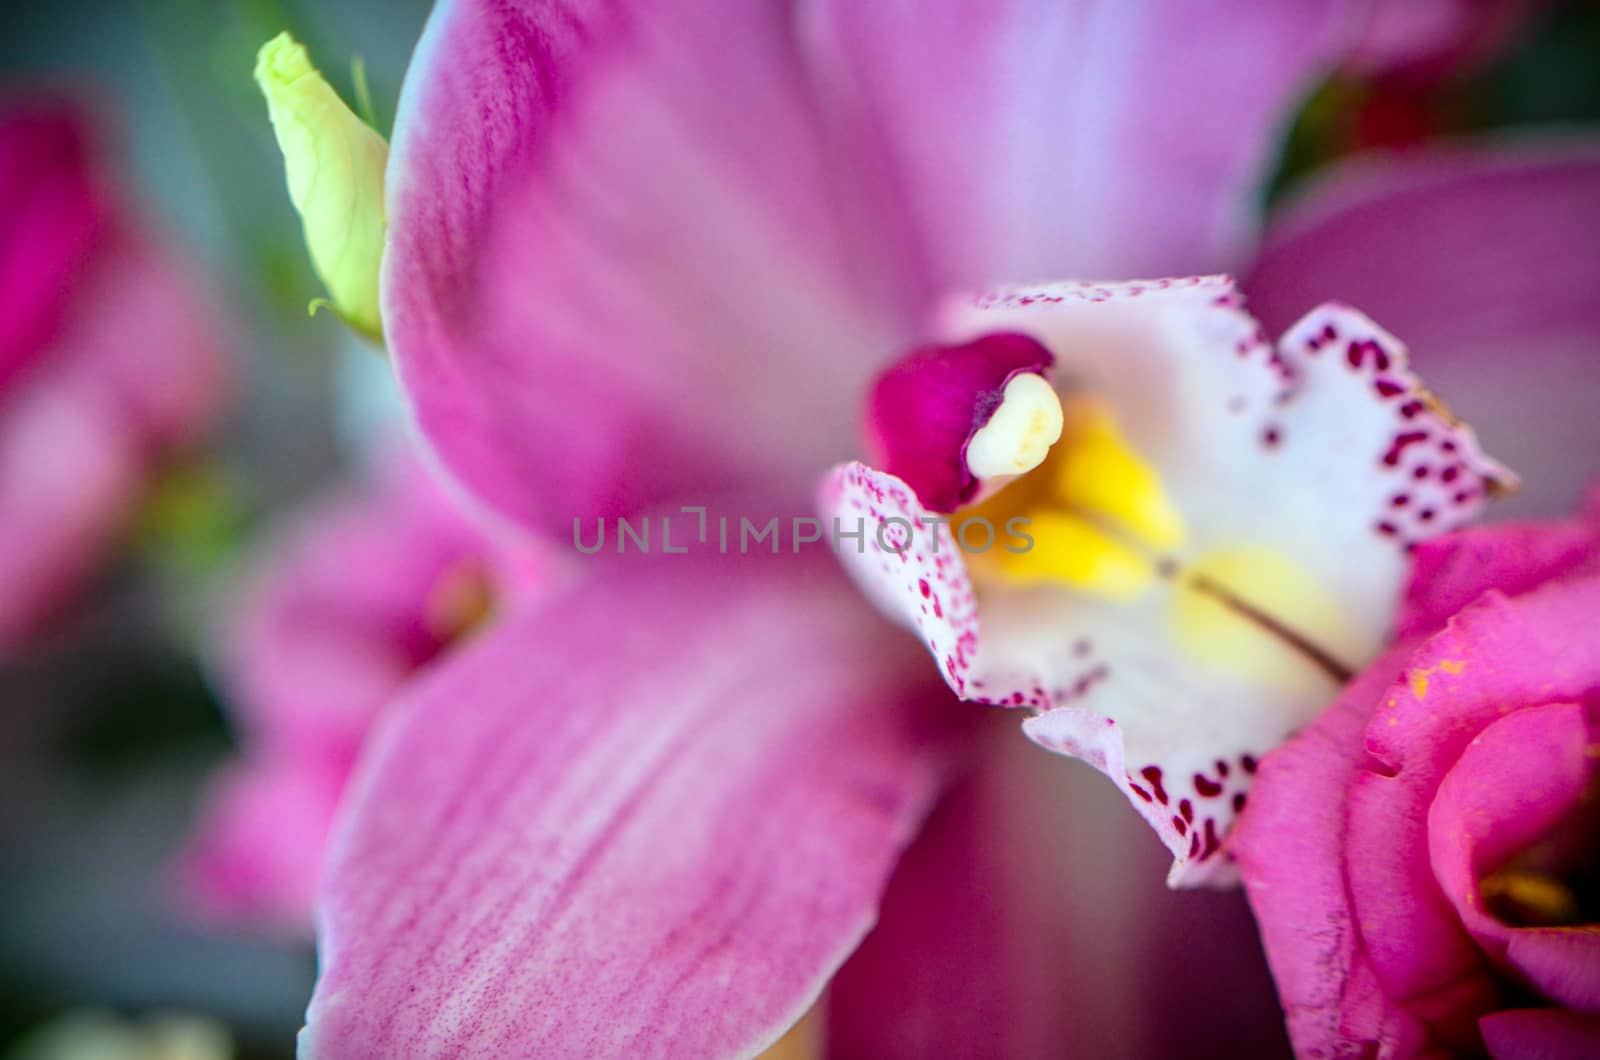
1098	473
1229	641
1075	552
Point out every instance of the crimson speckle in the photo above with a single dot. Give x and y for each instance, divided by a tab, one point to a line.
1238	801
1137	790
1207	787
1180	825
1248	762
922	583
1187	809
1153	775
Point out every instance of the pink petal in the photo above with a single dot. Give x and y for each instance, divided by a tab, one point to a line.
1516	781
1493	655
1036	139
338	610
1451	572
675	293
1297	844
1480	258
340	606
257	852
1541	1034
54	214
1290	850
1431	38
651	818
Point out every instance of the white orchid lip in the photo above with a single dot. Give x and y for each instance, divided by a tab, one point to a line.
1020	432
1215	539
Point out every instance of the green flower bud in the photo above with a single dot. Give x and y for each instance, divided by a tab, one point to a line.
334	162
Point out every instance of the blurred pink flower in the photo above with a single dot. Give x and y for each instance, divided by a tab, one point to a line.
638	261
349	600
1424	40
1422	858
109	360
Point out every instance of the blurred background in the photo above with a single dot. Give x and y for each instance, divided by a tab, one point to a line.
110	723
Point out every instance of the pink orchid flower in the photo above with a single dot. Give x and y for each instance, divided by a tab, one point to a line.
1422	858
109	360
640	262
342	606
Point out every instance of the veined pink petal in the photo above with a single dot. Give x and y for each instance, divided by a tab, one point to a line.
1480	258
1319	452
625	264
650	817
635	256
1038	140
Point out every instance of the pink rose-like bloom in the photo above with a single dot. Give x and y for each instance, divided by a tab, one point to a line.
345	603
108	362
1422	859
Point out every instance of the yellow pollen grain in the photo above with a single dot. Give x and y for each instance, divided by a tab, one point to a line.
1419	678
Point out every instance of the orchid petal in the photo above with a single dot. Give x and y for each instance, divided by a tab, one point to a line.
652	815
1481	258
1045	931
1313	438
613	275
1036	139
